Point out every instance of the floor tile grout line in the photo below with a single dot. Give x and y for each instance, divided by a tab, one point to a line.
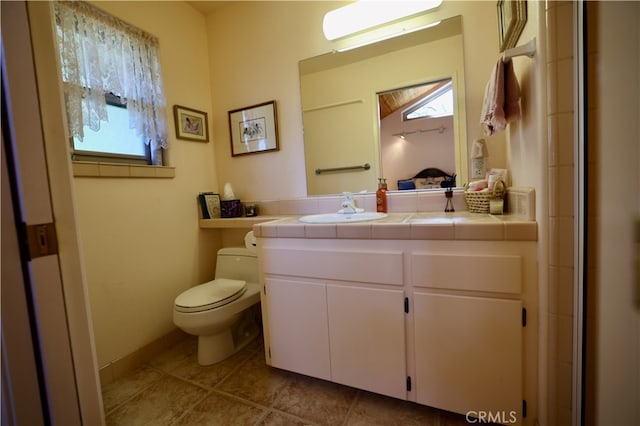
147	386
198	401
163	374
267	409
277	394
234	370
352	407
260	420
222	380
193	382
301	419
241	399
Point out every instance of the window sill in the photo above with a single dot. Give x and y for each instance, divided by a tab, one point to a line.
114	170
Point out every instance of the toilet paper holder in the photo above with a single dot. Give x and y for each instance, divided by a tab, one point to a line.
250	241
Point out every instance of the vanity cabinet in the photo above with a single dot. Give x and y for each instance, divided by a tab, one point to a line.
440	323
351	331
468	331
337	332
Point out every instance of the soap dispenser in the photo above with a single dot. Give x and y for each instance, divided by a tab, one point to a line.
381	196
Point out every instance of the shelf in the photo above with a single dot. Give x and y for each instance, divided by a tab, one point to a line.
235	222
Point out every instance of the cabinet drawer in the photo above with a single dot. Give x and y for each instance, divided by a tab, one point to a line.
497	273
372	267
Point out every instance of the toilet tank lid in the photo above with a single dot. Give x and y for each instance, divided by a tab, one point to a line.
236	251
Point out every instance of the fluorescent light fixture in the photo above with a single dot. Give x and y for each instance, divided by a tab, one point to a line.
387	37
366	14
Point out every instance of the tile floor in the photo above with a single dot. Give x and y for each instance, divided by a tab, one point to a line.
173	389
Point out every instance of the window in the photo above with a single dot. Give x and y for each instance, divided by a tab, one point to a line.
112	85
114	140
437	103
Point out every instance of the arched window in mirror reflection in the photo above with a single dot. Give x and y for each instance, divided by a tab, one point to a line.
438	102
417	133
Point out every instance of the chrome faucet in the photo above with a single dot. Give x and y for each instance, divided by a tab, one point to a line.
348	204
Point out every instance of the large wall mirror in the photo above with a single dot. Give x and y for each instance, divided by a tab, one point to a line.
355	106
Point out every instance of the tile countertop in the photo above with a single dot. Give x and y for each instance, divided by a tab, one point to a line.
408	226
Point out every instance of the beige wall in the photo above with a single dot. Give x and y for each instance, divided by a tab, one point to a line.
254	52
140	237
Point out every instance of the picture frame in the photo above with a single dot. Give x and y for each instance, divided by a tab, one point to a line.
512	17
191	124
209	205
254	129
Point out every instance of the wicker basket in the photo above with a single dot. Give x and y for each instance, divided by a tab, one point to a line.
478	201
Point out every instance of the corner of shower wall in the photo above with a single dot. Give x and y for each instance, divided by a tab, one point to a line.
560	118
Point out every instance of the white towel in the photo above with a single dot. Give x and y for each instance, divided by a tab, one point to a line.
501	99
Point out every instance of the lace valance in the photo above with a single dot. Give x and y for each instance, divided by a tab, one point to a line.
101	54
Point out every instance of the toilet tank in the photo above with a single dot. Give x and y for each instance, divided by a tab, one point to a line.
237	263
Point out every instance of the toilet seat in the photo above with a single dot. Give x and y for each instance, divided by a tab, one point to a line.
210	295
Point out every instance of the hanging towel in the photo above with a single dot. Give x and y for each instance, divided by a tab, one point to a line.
501	98
512	93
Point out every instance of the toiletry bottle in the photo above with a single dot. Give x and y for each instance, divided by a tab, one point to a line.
479	156
381	196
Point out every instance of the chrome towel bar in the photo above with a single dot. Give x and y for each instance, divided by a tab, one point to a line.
365	166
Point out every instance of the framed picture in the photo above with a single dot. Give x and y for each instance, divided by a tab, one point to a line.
209	205
512	16
254	129
191	124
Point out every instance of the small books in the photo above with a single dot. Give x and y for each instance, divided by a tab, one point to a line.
209	205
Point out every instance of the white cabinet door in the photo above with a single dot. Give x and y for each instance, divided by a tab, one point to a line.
469	353
299	335
367	338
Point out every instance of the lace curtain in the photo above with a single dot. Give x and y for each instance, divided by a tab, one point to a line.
100	54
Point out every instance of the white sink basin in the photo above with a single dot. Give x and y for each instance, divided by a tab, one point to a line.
342	217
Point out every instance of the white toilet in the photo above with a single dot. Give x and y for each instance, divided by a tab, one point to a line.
221	312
